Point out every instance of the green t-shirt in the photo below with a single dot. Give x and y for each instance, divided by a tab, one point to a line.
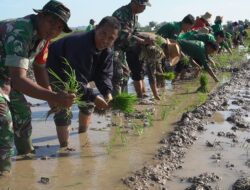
194	35
170	30
196	50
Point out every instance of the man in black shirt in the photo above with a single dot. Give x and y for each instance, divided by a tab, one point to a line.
90	56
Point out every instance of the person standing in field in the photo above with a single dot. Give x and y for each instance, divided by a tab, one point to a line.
90	56
128	45
91	25
23	42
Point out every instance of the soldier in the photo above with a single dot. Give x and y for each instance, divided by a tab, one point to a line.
24	41
90	56
129	41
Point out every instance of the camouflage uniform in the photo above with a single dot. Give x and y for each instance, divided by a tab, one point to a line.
19	47
125	42
121	73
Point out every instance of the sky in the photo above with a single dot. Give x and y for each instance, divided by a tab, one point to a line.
161	10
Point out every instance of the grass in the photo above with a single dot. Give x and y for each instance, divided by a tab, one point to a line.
124	102
185	60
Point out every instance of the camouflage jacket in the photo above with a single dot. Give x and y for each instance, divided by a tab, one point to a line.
129	23
19	44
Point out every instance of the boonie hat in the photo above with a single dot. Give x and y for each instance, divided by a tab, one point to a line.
58	9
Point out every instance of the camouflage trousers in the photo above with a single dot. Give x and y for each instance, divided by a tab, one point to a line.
15	127
120	73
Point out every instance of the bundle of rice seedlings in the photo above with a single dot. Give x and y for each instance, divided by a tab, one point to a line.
159	41
185	60
70	85
124	102
168	75
203	84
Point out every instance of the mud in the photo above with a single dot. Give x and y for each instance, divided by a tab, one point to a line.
232	99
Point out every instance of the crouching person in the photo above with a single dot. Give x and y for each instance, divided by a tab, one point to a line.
24	42
90	56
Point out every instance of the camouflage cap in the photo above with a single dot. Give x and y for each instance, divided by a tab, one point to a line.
143	2
58	9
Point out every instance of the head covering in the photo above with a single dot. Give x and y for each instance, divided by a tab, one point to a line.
58	9
206	16
173	52
142	2
218	18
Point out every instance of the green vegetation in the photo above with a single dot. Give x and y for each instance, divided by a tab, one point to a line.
168	75
138	129
124	102
225	60
70	85
203	84
118	133
185	60
159	41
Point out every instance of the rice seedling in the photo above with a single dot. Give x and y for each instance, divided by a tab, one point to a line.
159	41
70	85
149	117
124	102
168	75
138	129
185	60
118	133
164	112
203	84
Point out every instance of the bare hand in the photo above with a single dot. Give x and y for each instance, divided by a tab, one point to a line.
108	98
63	99
100	103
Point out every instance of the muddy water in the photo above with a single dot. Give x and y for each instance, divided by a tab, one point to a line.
90	167
234	155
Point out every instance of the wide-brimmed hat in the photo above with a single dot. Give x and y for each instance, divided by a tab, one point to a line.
218	18
143	2
172	51
206	16
58	9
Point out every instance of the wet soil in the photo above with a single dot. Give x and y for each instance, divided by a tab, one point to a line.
209	146
94	162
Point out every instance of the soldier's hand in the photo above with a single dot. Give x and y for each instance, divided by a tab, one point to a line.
100	103
108	98
63	99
